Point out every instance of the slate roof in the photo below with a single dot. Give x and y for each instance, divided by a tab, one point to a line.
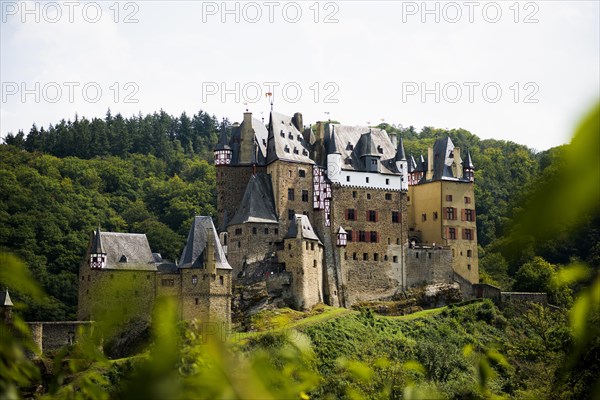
201	231
258	204
412	164
97	243
167	268
352	142
222	145
132	247
300	227
261	136
5	299
400	154
285	142
468	163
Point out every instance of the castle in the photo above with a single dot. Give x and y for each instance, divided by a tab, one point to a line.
339	211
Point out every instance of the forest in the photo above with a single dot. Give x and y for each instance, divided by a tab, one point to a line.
538	218
153	173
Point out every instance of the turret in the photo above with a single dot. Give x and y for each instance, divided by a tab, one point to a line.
468	168
334	159
97	253
223	151
342	237
412	170
402	165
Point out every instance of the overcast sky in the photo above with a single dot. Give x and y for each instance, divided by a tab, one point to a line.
522	71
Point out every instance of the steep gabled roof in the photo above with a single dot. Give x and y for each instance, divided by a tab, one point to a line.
222	145
125	251
193	254
260	138
285	141
300	227
257	204
97	243
443	157
412	164
351	143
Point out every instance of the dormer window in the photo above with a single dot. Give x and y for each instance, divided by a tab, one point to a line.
304	152
342	238
286	149
348	161
299	138
350	146
123	259
282	134
379	149
296	150
290	135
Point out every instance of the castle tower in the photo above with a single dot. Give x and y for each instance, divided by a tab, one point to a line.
468	168
334	159
369	154
402	165
223	150
97	253
302	255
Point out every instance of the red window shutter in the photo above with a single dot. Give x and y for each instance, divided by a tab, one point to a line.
377	233
445	212
463	215
455	213
355	233
473	213
447	232
376	216
463	234
367	236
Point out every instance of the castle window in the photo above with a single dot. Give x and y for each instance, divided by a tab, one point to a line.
451	213
416	255
350	214
290	135
365	256
467	200
467	234
296	150
197	300
239	244
429	255
290	194
299	138
388	196
312	246
266	231
238	231
276	231
452	233
221	280
469	215
350	146
387	181
448	197
367	179
423	217
291	214
374	236
395	259
282	134
304	152
372	216
407	198
380	149
469	267
349	235
123	259
348	161
435	215
354	193
375	257
289	173
167	282
315	263
396	217
385	257
306	245
301	173
348	178
345	256
469	253
397	240
254	230
194	279
368	196
374	162
362	236
305	196
354	257
289	246
286	149
83	277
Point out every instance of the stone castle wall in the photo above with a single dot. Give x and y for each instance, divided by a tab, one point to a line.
50	336
428	265
304	260
255	243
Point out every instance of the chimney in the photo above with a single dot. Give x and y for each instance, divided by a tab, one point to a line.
297	121
457	165
319	145
429	172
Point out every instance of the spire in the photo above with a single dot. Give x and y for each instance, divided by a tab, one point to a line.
222	145
412	164
400	154
332	148
97	243
468	163
369	148
5	299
